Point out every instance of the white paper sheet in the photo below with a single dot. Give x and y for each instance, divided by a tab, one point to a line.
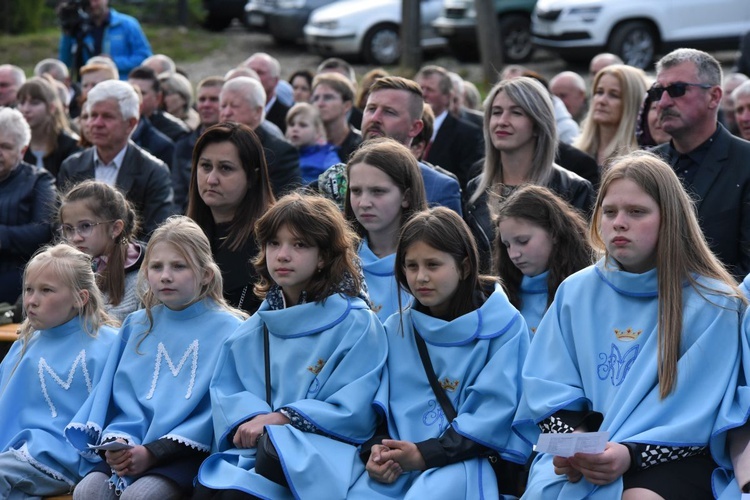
111	446
568	444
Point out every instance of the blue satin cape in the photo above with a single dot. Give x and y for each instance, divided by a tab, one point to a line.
534	295
380	276
477	358
40	394
326	362
596	349
158	383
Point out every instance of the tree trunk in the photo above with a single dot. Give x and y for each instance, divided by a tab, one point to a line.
490	41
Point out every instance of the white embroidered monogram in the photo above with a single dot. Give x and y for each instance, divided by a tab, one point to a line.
44	367
163	354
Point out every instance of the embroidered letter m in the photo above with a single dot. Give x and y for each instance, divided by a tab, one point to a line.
65	384
162	354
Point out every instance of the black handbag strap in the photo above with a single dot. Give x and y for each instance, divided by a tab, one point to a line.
267	360
442	397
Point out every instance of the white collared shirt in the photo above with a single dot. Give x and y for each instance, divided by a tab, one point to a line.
439	119
107	173
270	103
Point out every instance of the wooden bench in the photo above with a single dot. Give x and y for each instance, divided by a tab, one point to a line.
8	335
60	497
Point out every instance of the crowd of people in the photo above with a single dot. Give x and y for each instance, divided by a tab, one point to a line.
381	288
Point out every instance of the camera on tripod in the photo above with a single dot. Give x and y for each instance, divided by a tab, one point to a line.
74	17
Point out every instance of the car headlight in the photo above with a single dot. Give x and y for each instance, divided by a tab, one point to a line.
291	4
326	25
587	14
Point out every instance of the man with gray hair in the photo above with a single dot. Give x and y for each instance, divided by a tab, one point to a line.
112	106
710	162
730	82
11	79
570	87
741	99
455	144
268	70
242	100
27	201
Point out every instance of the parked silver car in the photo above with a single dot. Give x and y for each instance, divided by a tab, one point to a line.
284	20
367	29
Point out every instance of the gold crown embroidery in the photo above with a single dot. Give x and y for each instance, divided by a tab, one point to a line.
317	367
449	385
627	335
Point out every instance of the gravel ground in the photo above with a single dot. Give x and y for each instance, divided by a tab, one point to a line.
244	43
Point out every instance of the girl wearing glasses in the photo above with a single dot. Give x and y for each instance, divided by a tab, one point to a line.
609	127
98	220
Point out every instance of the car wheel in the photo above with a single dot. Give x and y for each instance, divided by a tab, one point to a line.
635	42
382	45
516	33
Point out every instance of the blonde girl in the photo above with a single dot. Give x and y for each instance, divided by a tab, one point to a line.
96	218
643	345
156	408
49	372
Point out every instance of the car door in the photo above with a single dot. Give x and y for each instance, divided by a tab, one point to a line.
701	19
429	11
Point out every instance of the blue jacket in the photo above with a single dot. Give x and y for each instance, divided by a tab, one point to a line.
315	159
124	41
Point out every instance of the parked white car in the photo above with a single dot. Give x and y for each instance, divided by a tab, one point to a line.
637	30
367	29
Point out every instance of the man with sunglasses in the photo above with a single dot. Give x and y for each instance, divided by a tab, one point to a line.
711	163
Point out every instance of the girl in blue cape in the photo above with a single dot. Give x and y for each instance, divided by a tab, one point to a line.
476	342
154	394
97	219
541	240
49	372
385	188
292	394
643	345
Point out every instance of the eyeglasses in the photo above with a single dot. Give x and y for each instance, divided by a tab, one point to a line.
83	229
677	89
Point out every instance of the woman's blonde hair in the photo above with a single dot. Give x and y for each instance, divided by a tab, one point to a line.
40	89
73	268
535	101
632	90
318	222
682	253
185	236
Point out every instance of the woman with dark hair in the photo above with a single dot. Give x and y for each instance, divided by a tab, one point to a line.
301	81
52	140
385	188
229	191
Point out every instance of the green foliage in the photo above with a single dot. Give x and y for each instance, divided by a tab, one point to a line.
165	12
23	16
